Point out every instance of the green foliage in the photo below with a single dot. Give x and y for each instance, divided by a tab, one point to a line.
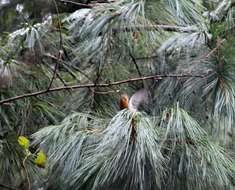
88	153
175	145
194	161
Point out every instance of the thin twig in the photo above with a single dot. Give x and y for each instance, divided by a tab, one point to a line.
53	76
218	45
26	171
168	28
56	89
6	187
76	3
136	66
106	92
98	75
60	78
66	64
60	49
59	22
132	57
57	74
135	63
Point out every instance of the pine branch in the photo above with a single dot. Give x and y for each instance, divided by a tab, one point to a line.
56	89
220	11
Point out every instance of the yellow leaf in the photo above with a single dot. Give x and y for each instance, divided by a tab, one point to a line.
40	160
23	141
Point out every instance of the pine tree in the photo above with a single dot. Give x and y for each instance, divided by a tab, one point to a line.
61	79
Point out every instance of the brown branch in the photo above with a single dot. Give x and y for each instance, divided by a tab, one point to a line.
56	89
64	63
106	92
98	75
57	74
90	5
135	63
53	76
169	28
6	187
61	47
218	45
76	3
136	66
59	22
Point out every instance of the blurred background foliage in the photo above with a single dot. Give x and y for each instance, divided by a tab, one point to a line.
185	138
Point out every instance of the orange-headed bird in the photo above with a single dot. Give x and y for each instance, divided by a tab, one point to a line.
141	96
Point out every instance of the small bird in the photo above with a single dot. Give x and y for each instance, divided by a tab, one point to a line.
123	102
138	98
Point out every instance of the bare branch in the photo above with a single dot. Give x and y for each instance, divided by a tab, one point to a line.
61	46
53	76
169	28
64	63
91	85
76	3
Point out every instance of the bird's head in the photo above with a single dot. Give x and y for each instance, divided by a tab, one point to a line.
124	101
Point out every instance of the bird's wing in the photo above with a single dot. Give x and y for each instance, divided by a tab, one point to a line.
140	97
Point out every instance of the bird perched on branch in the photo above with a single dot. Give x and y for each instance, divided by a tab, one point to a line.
137	99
